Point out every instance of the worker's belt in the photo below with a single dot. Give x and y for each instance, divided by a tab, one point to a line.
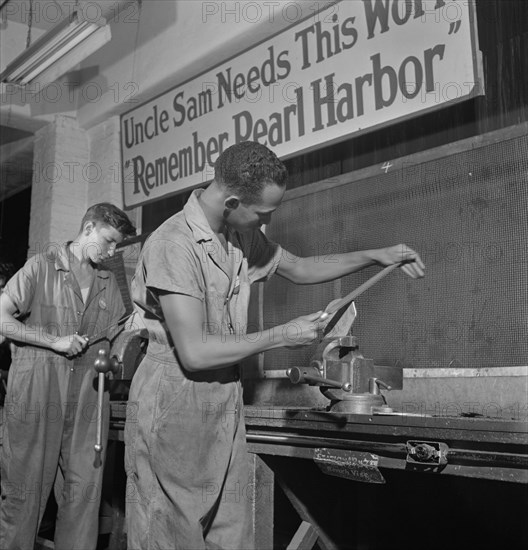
167	355
223	376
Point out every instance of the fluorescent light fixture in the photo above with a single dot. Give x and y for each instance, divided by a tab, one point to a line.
57	51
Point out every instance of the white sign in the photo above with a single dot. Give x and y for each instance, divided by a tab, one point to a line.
350	68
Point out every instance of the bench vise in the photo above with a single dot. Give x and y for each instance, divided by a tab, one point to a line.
350	381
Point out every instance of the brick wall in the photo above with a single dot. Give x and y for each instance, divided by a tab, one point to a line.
73	168
104	171
105	167
58	196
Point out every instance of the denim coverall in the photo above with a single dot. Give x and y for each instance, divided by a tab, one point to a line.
51	407
186	455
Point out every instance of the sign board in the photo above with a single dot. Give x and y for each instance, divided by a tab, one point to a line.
350	68
353	465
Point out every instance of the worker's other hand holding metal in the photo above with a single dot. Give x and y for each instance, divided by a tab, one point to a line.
301	331
413	266
70	345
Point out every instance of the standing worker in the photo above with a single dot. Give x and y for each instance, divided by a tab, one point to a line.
49	309
186	455
7	270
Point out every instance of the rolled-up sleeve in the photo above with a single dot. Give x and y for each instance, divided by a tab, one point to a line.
171	267
21	287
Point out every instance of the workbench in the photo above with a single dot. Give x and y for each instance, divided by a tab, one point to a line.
329	481
376	482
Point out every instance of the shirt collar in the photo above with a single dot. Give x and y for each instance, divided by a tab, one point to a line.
62	262
196	220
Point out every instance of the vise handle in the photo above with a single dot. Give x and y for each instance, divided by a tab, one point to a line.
312	376
102	365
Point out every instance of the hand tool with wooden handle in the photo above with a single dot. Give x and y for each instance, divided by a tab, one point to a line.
336	306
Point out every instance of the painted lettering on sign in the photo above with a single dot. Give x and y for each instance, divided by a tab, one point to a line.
349	68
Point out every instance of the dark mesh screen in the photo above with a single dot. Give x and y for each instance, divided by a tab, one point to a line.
466	214
116	265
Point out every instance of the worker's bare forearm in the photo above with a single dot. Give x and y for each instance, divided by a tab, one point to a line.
202	345
13	329
216	351
69	345
320	269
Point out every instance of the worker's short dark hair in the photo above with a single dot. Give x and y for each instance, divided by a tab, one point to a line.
247	167
109	214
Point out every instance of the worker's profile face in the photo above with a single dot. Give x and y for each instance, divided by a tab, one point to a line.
247	217
101	241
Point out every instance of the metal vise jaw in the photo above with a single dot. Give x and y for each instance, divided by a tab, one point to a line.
341	360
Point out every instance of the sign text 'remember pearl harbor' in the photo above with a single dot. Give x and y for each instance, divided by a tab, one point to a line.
352	67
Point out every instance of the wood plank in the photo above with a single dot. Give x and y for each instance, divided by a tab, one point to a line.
324	541
304	539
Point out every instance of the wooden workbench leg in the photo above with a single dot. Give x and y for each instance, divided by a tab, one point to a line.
323	540
262	480
305	537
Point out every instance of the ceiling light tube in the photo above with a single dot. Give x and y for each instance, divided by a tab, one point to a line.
64	46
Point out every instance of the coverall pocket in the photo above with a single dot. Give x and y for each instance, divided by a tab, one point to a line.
170	389
18	384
